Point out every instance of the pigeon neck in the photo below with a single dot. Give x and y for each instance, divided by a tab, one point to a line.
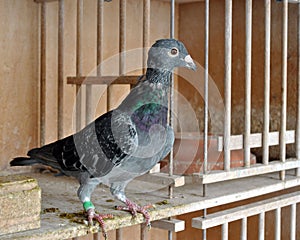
158	75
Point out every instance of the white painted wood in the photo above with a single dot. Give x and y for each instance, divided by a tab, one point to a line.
278	223
225	231
163	179
293	222
244	229
261	226
257	169
255	140
174	225
155	169
233	214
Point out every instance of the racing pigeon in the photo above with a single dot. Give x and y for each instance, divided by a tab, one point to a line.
123	143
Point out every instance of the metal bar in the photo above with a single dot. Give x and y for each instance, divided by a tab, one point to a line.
267	82
293	222
146	30
227	84
248	37
244	229
43	76
60	60
284	85
171	100
99	36
261	226
205	140
278	224
298	96
79	62
225	231
122	43
206	66
171	104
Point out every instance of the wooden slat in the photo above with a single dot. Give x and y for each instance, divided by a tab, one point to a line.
255	140
258	169
252	209
173	225
103	80
163	179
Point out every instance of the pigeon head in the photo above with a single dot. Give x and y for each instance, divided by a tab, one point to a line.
166	54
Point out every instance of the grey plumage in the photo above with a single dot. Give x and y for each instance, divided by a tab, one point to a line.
125	142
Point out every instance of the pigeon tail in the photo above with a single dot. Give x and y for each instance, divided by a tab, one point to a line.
23	161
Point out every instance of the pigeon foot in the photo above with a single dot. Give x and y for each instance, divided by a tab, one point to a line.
133	208
99	218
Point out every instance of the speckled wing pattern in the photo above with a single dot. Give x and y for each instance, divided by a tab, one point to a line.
100	146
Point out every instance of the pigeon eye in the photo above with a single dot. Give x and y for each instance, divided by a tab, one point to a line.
174	51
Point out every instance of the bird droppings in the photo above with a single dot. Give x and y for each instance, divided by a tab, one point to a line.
50	210
78	217
164	202
110	200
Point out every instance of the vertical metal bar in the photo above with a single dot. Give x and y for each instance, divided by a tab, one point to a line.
227	84
146	30
206	65
205	140
171	104
247	131
60	87
99	35
293	222
244	229
122	43
267	82
278	224
261	226
79	61
225	231
43	76
298	96
284	85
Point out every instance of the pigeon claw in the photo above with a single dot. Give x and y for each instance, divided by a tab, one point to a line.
99	218
133	208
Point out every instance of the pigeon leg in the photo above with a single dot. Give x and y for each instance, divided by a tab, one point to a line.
117	190
84	193
91	214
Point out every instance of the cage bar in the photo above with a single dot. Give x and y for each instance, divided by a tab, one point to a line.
60	70
79	61
227	84
284	85
99	36
266	123
247	126
146	30
298	95
43	76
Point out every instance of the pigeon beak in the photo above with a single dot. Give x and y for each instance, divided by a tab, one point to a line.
189	63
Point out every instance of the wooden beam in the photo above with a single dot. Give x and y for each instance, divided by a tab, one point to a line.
103	80
163	179
42	1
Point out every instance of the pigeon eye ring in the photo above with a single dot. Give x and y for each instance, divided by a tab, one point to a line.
174	52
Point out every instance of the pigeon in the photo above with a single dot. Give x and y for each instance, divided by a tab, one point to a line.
123	143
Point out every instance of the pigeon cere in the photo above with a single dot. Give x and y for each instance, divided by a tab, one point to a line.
123	143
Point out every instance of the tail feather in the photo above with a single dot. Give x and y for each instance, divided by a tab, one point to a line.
23	161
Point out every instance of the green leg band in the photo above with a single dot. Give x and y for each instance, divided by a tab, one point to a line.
88	205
